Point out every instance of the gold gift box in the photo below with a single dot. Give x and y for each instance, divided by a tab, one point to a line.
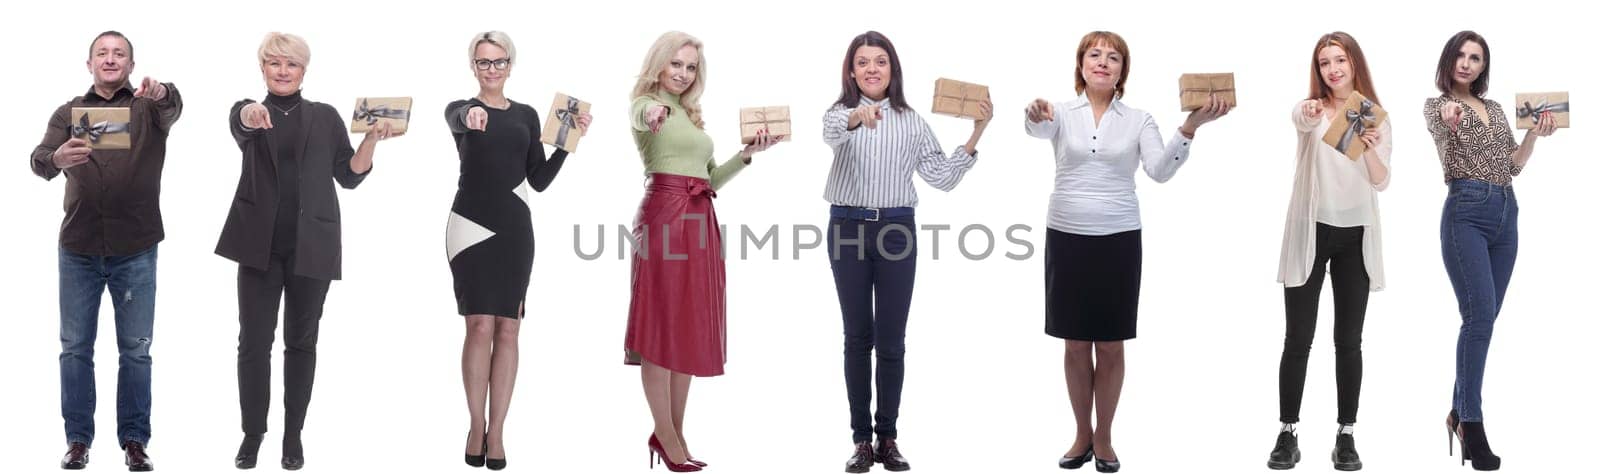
773	118
1195	90
561	126
959	99
1354	117
105	128
1530	105
372	110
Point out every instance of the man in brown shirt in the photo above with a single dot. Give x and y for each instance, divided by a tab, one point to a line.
108	239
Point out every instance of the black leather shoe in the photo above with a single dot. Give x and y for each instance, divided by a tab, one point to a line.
861	461
77	457
246	459
1107	466
494	464
294	456
135	458
1286	453
1074	462
888	454
478	460
1344	453
293	463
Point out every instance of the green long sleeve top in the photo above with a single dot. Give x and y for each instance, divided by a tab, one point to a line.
680	147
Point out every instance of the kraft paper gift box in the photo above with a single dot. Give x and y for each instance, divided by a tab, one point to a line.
105	128
752	119
1354	117
561	127
956	98
372	110
1195	90
1530	105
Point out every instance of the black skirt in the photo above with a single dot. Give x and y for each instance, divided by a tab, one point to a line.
1092	285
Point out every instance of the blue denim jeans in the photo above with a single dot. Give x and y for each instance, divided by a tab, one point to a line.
1478	233
132	281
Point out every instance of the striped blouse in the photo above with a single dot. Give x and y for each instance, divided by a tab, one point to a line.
872	166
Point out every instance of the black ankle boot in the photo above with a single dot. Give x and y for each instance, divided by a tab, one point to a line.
1475	446
1344	453
246	459
1286	452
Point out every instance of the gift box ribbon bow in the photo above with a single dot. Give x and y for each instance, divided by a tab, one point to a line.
98	129
1358	123
1527	109
371	115
568	116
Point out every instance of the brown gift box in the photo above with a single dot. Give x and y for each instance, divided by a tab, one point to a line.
956	98
1195	90
371	110
1530	105
1354	117
561	126
105	128
774	118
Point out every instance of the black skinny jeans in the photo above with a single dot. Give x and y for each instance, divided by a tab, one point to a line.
1338	252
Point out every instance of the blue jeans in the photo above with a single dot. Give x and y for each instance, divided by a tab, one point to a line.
132	280
1478	233
874	269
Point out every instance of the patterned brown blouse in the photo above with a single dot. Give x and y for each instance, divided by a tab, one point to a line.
1477	150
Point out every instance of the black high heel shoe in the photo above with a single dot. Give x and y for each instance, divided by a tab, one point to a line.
478	460
1107	466
1074	462
246	459
491	463
1474	443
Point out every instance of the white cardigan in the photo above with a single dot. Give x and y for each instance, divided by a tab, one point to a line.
1300	226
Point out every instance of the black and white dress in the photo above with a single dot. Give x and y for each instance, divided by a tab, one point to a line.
489	239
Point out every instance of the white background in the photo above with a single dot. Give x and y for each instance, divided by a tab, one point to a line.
984	390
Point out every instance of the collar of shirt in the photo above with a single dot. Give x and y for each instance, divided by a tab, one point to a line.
93	96
1083	101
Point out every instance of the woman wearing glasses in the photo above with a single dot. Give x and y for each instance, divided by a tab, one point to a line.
489	238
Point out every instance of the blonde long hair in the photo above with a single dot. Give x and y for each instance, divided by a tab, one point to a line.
656	61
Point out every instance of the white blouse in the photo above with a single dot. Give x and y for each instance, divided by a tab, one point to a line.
1095	164
872	167
1331	189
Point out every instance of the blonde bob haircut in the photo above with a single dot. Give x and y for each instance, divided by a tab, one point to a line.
497	38
284	45
656	61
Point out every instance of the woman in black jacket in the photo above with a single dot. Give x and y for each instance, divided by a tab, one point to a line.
283	230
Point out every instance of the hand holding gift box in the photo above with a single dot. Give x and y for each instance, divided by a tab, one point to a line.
1195	90
774	119
105	128
567	123
1353	118
372	110
959	99
1532	106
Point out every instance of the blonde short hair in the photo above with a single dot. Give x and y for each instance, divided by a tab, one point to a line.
649	82
497	38
284	45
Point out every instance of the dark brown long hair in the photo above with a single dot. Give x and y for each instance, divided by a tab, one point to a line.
850	94
1443	77
1358	67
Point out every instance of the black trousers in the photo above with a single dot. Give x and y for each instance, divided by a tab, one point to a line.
259	294
1339	253
874	283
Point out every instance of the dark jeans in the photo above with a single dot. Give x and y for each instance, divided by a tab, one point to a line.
132	281
1339	253
874	268
259	292
1478	234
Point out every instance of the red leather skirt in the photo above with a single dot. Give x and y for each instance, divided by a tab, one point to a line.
678	317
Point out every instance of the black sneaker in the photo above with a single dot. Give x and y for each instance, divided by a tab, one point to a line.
1344	453
1286	453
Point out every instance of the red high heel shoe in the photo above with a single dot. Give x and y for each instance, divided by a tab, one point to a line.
659	454
692	460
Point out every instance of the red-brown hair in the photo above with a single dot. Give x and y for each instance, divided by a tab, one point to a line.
1115	41
1358	67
